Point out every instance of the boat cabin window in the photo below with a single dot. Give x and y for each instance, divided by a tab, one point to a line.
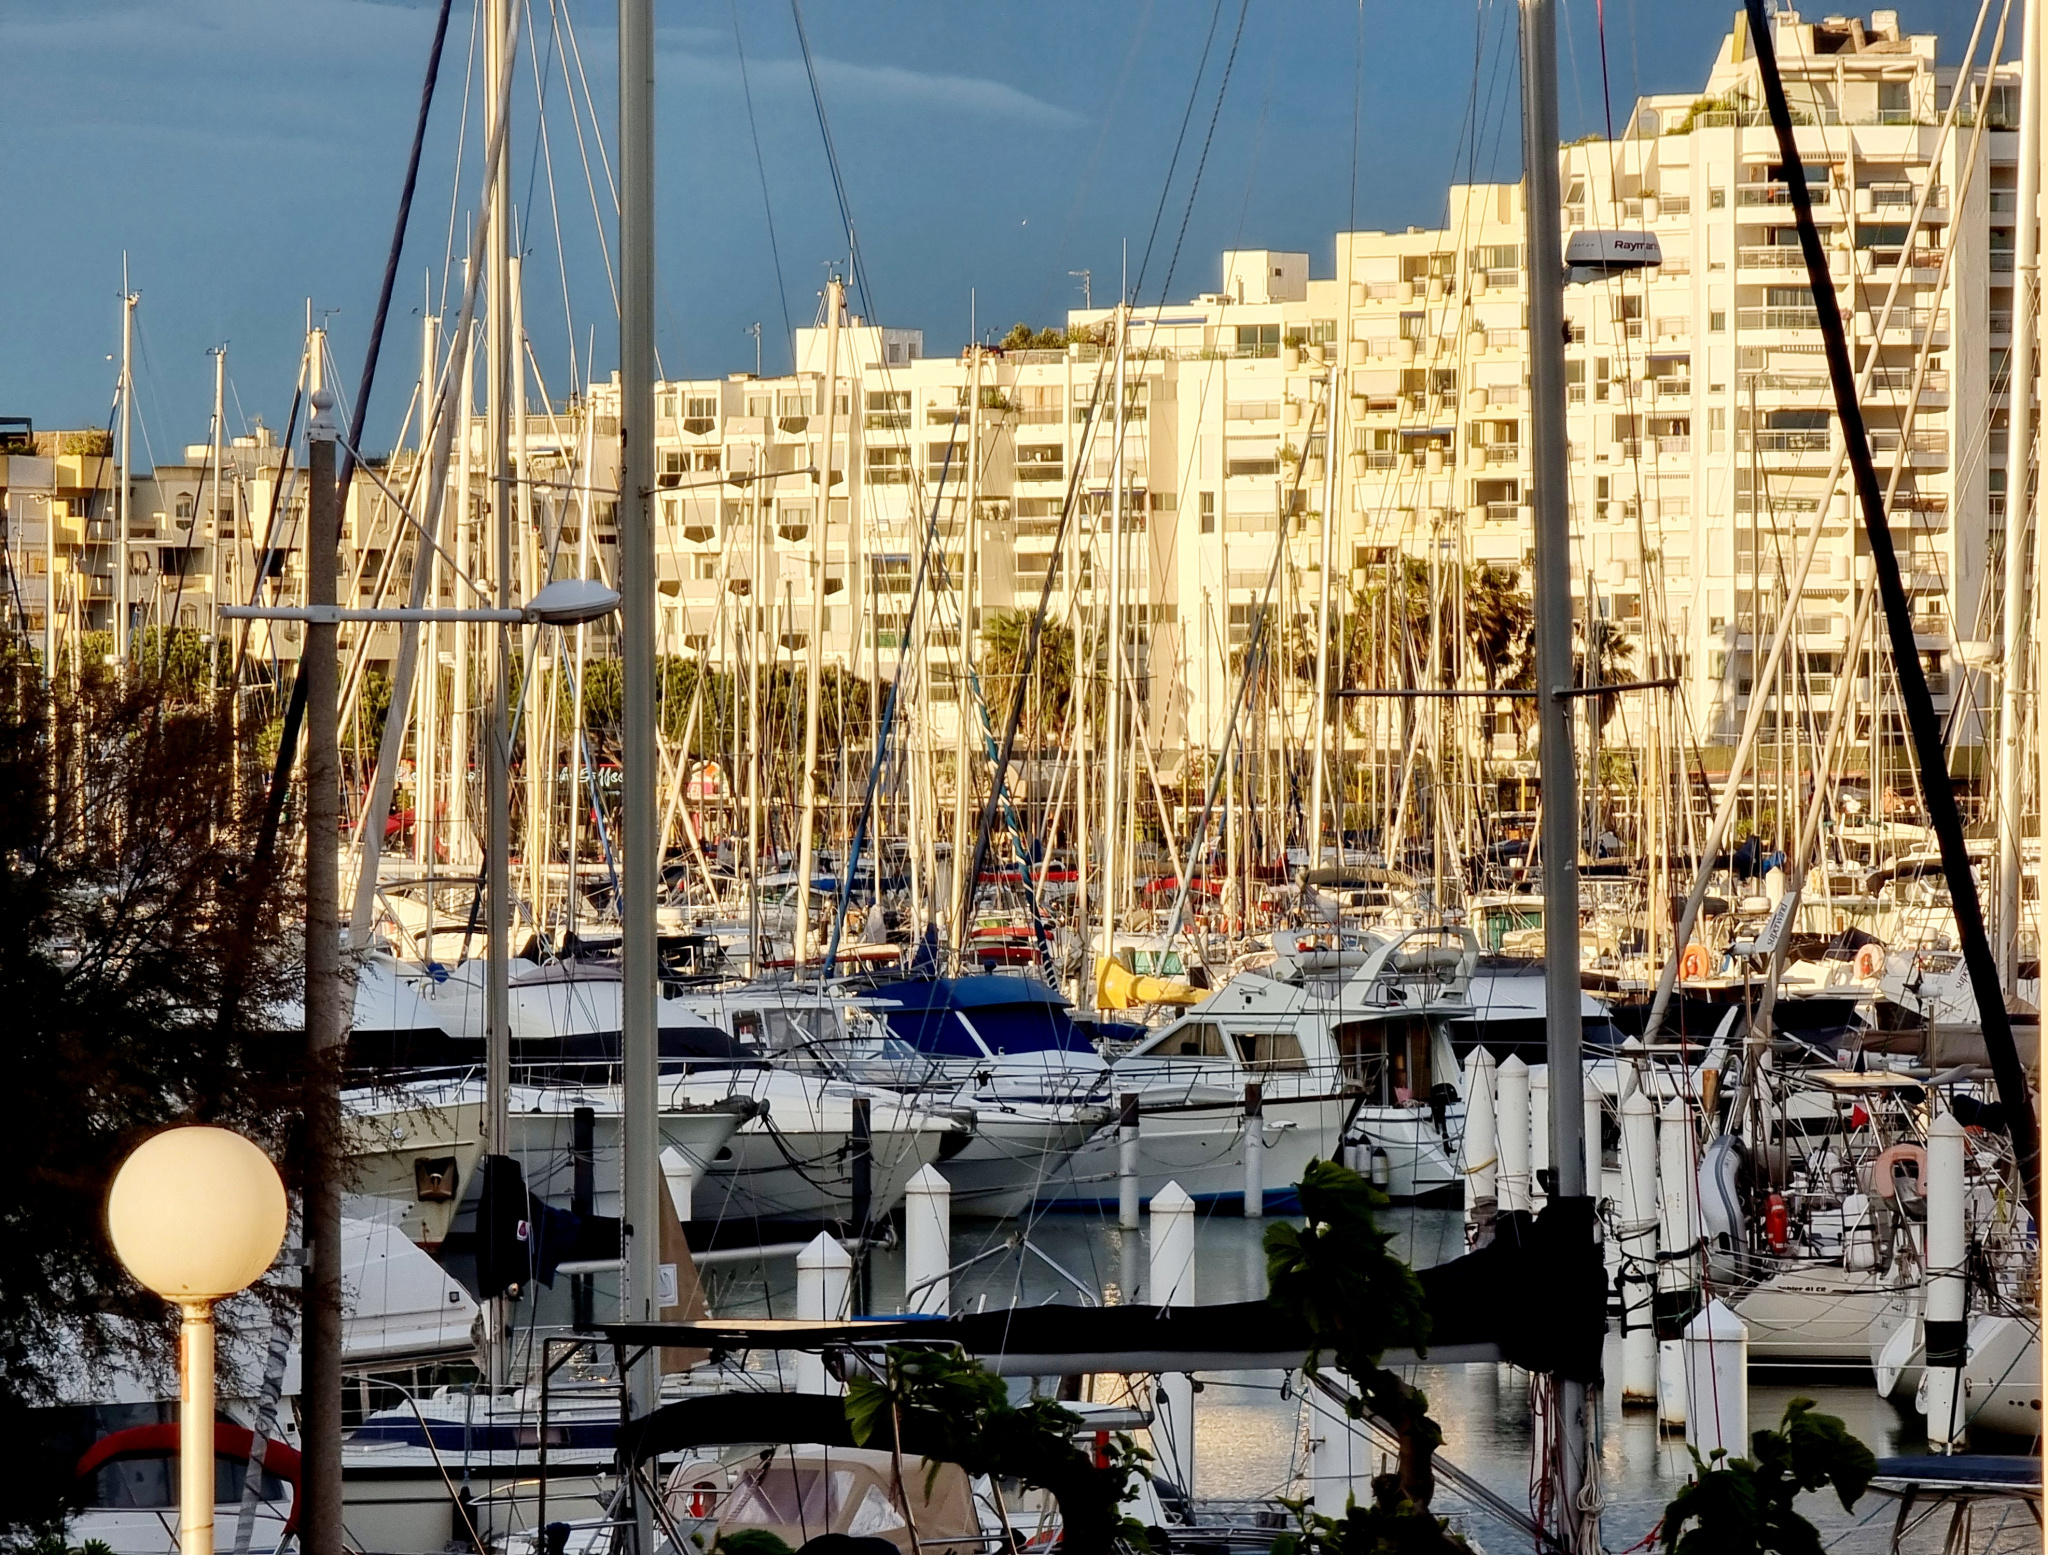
779	1494
1197	1039
746	1027
1499	922
1388	1059
138	1484
1157	963
792	1030
1269	1049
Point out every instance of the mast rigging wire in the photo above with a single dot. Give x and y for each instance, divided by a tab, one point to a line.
295	713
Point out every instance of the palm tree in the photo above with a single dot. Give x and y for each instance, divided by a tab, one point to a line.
1005	640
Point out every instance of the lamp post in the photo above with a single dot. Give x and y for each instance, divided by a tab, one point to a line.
196	1214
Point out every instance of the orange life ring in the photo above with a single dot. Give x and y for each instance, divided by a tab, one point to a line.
1881	1168
1696	963
1870	961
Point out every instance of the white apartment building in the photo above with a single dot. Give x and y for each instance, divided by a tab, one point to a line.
1700	426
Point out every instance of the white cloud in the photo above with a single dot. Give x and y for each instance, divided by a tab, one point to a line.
885	85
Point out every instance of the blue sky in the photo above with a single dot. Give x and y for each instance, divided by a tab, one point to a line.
247	156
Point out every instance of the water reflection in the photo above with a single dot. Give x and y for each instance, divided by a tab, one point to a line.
1251	1430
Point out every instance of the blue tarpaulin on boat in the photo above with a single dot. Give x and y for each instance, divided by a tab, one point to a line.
979	1017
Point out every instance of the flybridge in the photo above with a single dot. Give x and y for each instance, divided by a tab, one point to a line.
1590	255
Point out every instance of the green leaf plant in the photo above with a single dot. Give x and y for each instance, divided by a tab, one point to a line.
1337	1278
943	1406
1744	1506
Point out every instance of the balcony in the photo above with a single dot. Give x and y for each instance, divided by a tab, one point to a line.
1771	256
1669	447
1777	318
1039	473
1499	453
1797	441
1920	448
1777	196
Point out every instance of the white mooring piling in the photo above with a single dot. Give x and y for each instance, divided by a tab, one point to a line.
1679	1235
1254	1152
1127	1161
1481	1165
1511	1134
928	1242
1638	1235
680	1172
1716	1346
824	1275
1173	1285
1947	1325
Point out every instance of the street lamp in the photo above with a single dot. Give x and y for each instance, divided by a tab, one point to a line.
196	1214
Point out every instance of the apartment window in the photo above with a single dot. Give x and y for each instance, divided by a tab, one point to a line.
1322	332
701	407
1258	340
761	405
889	466
1600	371
1717	321
1412	326
1208	512
1575	382
1717	199
668	406
1496	256
888	410
1041	462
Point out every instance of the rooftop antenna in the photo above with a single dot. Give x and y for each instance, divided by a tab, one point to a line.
1087	289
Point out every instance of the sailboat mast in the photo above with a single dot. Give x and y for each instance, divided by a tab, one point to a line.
1321	720
814	646
963	888
2020	396
427	722
1114	837
121	491
1549	477
640	1170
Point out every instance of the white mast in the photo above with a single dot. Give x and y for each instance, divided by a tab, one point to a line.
121	493
963	750
1550	475
640	1169
497	773
1113	836
1320	725
427	725
2011	792
814	645
219	540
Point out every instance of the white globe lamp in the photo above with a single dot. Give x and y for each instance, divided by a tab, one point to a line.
196	1214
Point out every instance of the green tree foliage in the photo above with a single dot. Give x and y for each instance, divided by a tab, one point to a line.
1337	1277
1745	1506
945	1407
1022	337
140	960
1383	637
1005	636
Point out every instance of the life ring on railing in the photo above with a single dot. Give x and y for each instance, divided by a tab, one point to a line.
1881	1169
1870	962
1696	963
